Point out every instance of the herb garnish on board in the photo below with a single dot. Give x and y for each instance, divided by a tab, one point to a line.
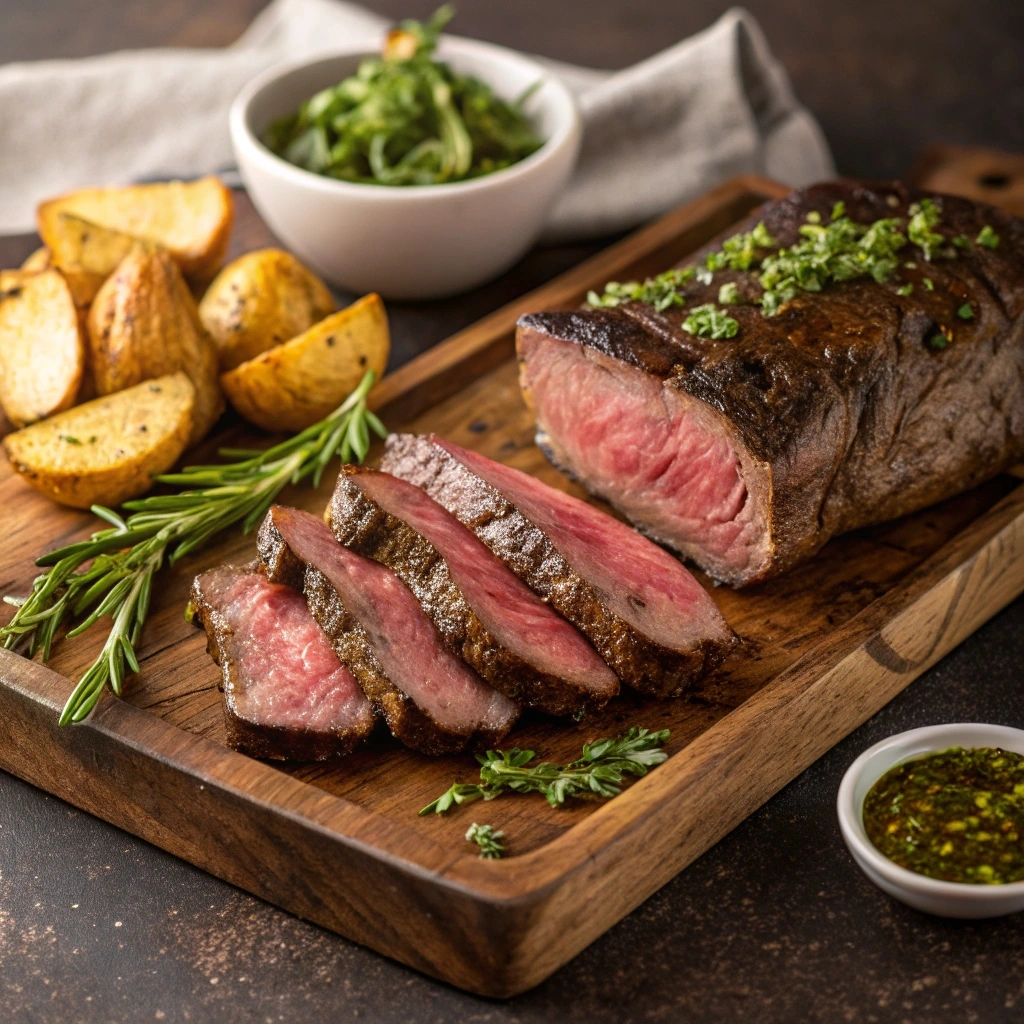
600	771
406	119
111	574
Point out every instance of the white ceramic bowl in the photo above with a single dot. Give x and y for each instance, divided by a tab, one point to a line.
948	899
408	242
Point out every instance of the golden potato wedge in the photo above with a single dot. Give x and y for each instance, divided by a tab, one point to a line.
107	450
192	219
144	324
301	381
85	253
37	260
42	348
260	300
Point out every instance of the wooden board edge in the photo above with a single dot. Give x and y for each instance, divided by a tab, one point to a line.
605	866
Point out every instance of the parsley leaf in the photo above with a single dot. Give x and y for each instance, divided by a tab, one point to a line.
489	841
905	289
965	312
708	322
987	237
924	216
728	294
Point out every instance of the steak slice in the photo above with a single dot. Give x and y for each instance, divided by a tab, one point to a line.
482	610
286	694
649	619
853	405
431	700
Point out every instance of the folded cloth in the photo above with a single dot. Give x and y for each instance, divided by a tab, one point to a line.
655	135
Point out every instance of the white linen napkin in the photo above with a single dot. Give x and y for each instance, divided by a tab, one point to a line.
655	135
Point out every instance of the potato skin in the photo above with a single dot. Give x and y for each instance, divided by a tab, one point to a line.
260	300
42	346
191	219
107	450
37	260
144	324
292	386
85	253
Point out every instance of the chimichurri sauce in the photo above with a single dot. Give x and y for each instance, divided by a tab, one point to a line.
957	815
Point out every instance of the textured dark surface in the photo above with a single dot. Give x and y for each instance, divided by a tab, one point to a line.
775	924
842	412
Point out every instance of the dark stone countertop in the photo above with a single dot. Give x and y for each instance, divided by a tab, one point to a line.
775	923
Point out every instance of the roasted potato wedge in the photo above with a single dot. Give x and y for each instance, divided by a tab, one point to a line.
301	381
192	219
42	348
260	300
144	324
37	260
85	253
107	450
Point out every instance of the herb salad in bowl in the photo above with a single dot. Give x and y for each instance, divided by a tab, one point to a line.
418	172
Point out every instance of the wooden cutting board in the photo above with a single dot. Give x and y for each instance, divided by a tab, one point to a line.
341	844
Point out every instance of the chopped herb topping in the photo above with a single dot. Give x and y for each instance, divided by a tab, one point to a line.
961	241
489	841
905	289
988	238
841	251
910	265
69	439
924	216
814	217
660	292
708	322
929	285
839	210
939	340
728	294
965	312
740	251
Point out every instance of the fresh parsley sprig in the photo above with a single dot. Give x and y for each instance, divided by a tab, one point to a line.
489	841
599	772
111	574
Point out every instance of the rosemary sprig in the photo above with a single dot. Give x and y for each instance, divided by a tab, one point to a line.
599	772
489	841
111	574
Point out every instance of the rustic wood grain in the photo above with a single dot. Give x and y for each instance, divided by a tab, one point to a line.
985	175
340	843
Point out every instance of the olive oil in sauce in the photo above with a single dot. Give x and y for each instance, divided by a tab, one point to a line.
956	815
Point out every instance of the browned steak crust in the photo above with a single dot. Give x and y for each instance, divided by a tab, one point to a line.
855	417
633	657
407	722
361	524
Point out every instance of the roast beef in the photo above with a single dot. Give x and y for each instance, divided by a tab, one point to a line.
431	700
853	405
286	694
647	616
482	611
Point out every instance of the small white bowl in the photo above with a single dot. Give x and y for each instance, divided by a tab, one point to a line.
418	241
947	899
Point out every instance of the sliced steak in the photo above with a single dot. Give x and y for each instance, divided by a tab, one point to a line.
850	407
286	694
431	700
483	611
649	619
